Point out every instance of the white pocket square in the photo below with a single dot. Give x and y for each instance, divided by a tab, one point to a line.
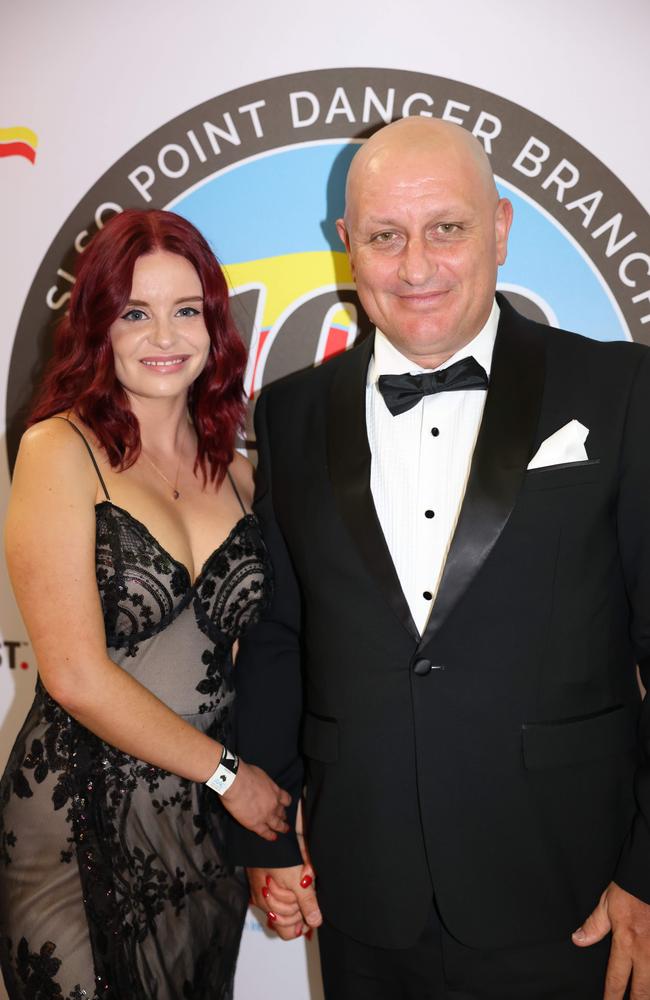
566	445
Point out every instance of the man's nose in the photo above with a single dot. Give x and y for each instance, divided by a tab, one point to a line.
417	263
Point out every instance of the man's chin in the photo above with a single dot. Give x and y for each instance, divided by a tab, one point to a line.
424	338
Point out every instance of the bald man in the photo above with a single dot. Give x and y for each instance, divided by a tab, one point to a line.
458	514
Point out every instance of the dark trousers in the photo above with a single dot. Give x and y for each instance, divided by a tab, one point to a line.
438	967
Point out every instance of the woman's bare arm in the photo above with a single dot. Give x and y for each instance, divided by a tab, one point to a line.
50	545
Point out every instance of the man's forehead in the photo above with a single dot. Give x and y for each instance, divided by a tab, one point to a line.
403	195
413	184
417	181
424	209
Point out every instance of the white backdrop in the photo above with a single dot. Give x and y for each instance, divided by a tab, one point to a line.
91	80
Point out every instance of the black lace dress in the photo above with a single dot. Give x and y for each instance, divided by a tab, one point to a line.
112	875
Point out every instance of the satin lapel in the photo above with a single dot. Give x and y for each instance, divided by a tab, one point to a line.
348	454
503	450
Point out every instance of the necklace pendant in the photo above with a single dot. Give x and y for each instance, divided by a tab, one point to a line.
176	495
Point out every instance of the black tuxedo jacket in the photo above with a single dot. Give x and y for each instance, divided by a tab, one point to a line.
499	761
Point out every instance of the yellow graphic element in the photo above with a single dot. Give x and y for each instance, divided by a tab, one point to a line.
341	317
290	277
19	134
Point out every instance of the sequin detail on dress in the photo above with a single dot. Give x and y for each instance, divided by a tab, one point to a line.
113	882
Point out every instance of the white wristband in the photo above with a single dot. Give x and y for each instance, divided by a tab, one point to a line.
225	774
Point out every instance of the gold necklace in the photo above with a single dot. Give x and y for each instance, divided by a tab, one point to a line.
174	486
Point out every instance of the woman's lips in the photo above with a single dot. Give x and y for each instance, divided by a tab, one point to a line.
164	365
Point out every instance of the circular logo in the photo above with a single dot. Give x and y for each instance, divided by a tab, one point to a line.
261	172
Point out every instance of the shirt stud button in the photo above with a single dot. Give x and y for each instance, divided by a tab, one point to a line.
429	514
427	595
435	431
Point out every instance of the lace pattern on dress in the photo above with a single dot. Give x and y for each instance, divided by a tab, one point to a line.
143	588
147	844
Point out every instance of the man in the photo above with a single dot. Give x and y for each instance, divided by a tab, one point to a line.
463	581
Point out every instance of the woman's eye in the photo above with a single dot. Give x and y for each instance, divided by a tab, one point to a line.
188	311
134	315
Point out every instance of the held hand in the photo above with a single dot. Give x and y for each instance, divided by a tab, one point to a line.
288	896
628	918
256	802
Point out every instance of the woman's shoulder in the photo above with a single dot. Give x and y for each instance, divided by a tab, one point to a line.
59	443
241	471
60	427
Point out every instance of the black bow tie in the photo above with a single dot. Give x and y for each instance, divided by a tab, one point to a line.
401	392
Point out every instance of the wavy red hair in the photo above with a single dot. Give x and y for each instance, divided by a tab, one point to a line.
80	375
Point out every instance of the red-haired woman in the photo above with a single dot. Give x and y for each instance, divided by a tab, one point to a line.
136	566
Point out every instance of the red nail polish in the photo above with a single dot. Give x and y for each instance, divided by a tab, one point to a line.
266	891
271	917
268	879
306	881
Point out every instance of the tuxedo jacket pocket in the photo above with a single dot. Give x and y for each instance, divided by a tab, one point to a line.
578	741
320	738
567	474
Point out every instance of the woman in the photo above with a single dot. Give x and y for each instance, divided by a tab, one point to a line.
136	566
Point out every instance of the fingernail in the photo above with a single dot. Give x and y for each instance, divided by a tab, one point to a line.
306	881
271	918
266	891
268	879
299	931
579	935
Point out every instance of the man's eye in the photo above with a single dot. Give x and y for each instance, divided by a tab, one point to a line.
383	237
447	227
188	311
134	315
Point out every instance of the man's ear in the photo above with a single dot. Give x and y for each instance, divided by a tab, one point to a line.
341	229
502	223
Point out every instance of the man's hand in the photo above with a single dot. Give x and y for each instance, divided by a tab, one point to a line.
288	896
628	918
256	802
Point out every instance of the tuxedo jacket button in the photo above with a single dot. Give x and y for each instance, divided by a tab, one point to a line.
422	667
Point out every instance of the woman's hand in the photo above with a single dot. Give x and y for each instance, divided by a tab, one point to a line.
256	802
288	898
288	895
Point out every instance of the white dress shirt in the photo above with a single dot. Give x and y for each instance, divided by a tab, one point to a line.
420	465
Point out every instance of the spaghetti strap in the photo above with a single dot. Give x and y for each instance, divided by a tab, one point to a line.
236	492
90	452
